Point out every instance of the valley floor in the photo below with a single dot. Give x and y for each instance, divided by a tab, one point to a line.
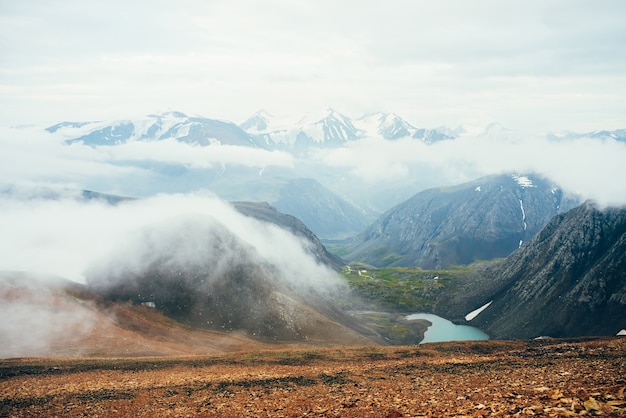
486	378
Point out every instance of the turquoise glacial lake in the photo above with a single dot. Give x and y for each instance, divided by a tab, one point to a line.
444	330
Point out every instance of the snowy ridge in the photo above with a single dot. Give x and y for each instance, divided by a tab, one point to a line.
617	135
262	122
386	125
155	127
334	128
263	129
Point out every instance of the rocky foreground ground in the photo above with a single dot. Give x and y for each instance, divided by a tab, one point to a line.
489	378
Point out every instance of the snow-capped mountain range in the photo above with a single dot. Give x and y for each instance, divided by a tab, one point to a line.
155	127
294	134
262	130
617	134
334	128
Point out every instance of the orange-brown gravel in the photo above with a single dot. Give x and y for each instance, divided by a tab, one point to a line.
492	378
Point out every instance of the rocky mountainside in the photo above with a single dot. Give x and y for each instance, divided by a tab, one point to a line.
480	220
570	280
560	378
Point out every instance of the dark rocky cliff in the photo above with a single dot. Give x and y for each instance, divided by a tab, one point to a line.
570	280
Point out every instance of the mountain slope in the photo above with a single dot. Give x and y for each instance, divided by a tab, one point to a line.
483	219
570	280
325	213
48	316
391	126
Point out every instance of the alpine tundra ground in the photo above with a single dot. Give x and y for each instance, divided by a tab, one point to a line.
487	378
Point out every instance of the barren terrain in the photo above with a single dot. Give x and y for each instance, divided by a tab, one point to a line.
487	378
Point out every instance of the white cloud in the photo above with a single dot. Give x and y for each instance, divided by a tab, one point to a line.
590	167
28	155
553	65
31	156
197	156
69	237
47	238
36	318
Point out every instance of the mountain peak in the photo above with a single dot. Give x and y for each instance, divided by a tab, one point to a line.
257	122
170	114
333	114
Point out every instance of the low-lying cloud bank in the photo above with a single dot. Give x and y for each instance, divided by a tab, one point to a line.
187	242
590	167
32	156
68	236
38	320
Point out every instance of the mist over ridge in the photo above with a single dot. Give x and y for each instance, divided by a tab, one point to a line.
178	180
371	173
68	236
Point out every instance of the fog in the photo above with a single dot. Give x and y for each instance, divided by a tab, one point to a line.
39	321
589	167
63	235
68	236
31	156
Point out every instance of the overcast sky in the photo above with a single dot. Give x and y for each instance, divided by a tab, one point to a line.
538	65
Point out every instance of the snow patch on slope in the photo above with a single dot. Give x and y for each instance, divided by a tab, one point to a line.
523	181
476	312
